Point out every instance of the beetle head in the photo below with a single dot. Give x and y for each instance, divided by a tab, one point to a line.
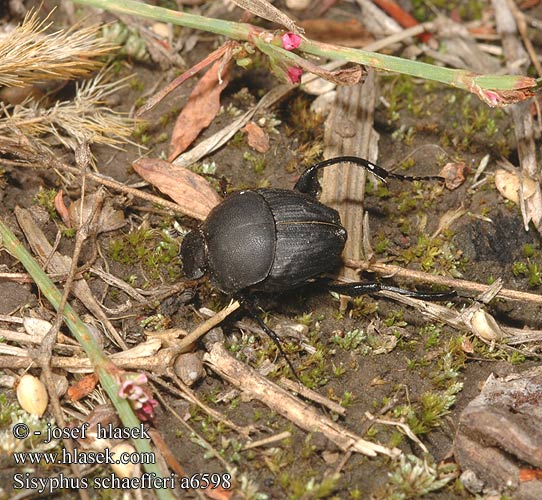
194	254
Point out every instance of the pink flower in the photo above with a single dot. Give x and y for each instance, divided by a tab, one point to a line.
138	394
294	74
130	390
492	98
145	409
290	41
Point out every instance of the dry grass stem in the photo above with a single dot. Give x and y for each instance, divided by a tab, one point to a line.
186	393
490	333
85	119
401	426
34	155
185	344
152	361
268	441
28	54
523	123
62	263
522	28
312	395
190	429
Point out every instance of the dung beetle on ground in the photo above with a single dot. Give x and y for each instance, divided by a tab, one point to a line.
273	240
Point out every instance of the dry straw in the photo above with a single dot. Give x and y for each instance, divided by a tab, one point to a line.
29	54
85	118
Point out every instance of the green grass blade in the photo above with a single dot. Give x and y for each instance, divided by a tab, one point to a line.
495	90
103	367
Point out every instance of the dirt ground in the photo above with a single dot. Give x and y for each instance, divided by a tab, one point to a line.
372	355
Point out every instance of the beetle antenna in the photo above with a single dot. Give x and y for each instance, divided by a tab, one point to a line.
308	182
251	309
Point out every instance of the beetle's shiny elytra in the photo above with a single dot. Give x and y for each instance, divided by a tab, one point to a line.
267	239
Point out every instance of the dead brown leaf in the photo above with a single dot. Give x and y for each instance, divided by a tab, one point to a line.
83	387
511	185
189	73
194	195
466	345
267	10
109	218
348	76
257	137
350	33
454	174
61	208
201	108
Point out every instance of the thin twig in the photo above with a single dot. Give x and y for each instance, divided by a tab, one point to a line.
522	28
156	98
312	395
268	440
186	342
111	183
190	396
45	349
183	422
42	248
166	452
459	285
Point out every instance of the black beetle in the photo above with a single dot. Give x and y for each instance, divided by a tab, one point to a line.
273	240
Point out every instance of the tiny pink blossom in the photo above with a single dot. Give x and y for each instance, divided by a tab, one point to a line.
138	394
492	98
130	390
145	411
290	41
149	406
141	379
294	74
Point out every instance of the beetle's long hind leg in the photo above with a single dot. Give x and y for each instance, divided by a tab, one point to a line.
308	182
251	309
357	289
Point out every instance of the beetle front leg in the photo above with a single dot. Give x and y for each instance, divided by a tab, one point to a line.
357	289
308	182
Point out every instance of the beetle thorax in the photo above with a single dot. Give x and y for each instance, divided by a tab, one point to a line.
240	238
